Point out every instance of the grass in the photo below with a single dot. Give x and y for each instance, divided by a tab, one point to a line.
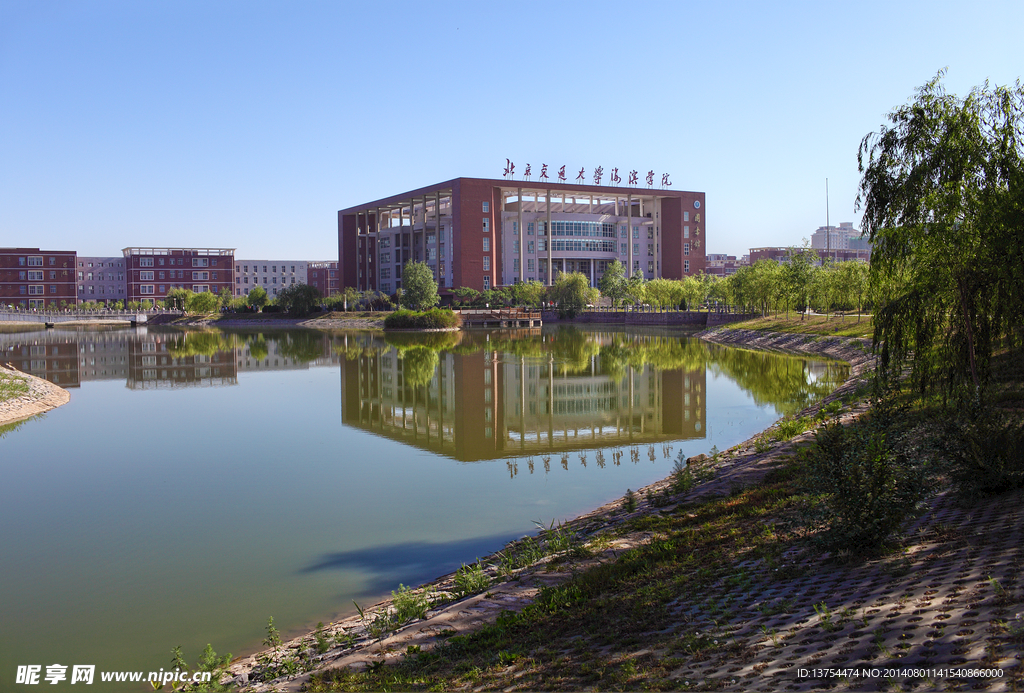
574	635
848	326
12	386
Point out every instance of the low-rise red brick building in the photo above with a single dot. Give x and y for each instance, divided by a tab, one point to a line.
34	278
152	272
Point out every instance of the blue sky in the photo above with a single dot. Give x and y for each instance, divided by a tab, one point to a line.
248	125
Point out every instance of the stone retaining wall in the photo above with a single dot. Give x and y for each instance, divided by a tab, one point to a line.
670	318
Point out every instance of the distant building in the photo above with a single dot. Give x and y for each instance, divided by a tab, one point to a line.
152	272
34	278
324	276
842	237
783	253
272	275
721	265
101	279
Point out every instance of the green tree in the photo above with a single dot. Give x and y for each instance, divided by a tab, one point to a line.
177	299
613	282
202	303
299	299
224	297
636	288
420	289
942	189
466	296
528	293
256	298
572	292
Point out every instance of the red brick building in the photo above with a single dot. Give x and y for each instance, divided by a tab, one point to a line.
324	276
152	272
34	278
482	233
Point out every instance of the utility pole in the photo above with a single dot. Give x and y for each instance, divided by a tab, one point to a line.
828	228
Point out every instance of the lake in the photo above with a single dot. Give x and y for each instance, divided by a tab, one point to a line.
199	482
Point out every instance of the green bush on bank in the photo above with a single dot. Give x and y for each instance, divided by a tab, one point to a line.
434	319
869	478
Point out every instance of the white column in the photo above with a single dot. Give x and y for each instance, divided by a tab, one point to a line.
550	240
522	241
629	235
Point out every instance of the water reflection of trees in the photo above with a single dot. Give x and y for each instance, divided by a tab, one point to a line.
783	381
205	343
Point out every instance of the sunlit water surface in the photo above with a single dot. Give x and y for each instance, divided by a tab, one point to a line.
200	482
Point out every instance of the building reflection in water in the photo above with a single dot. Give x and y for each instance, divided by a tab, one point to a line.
474	395
510	394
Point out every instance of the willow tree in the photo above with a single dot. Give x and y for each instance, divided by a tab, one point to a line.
941	190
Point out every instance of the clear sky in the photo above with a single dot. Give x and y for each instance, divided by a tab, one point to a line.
249	124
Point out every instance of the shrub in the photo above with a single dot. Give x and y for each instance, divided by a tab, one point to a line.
434	319
986	451
470	580
866	477
410	604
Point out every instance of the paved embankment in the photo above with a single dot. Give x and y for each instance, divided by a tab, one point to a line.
42	396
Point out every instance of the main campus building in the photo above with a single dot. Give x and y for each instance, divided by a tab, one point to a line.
482	233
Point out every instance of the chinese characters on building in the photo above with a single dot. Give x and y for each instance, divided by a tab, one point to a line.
598	174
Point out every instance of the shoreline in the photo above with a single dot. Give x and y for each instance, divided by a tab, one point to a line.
42	396
740	465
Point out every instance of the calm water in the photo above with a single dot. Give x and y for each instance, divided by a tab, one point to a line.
200	482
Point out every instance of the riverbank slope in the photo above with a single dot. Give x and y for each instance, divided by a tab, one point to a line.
741	603
42	396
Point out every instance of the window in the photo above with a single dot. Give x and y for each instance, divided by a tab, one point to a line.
515	227
293	268
200	288
487	206
53	262
530	264
515	246
161	275
197	276
686	232
636	232
145	262
686	266
487	225
205	262
487	263
53	288
529	229
273	280
623	250
214	276
163	288
487	244
487	282
143	276
529	246
650	250
650	267
265	267
53	274
273	268
245	280
515	264
35	261
161	262
686	216
246	268
686	248
636	248
146	289
33	275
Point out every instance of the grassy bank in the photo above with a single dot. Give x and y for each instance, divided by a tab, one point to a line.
840	326
11	386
